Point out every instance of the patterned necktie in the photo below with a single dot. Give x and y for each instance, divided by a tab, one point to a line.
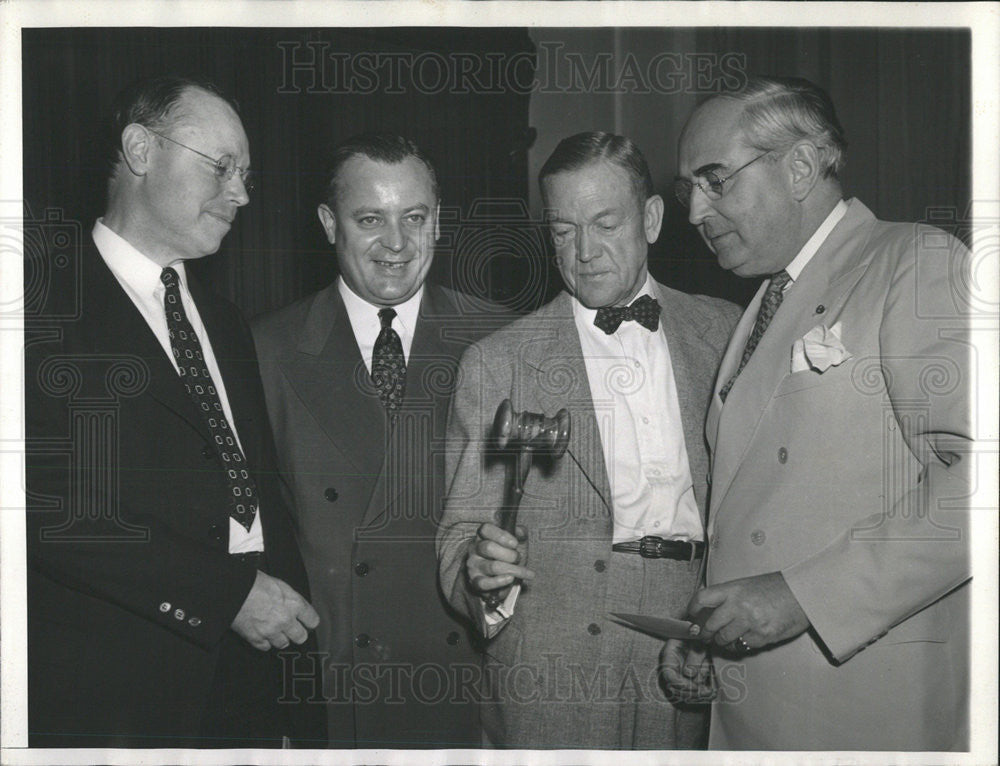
773	296
388	363
200	387
644	310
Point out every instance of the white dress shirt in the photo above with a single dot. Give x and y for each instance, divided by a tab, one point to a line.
139	277
639	418
367	326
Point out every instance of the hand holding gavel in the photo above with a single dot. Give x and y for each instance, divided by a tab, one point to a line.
494	562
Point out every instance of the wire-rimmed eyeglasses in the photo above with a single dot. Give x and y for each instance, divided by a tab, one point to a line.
709	182
225	167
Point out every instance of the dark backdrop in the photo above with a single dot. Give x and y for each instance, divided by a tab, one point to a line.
903	96
294	104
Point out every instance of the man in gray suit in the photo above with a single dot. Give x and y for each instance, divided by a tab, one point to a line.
358	378
617	523
838	581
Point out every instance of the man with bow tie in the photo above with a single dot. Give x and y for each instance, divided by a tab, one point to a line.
615	525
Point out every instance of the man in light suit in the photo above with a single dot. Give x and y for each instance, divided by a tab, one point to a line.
358	377
162	566
837	594
615	525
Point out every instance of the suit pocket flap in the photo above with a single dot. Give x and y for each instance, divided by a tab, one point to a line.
799	381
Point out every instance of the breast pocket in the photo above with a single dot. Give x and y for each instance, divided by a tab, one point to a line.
862	378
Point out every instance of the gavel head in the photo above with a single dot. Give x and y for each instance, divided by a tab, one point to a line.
531	430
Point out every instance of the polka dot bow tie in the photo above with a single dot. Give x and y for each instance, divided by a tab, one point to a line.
644	310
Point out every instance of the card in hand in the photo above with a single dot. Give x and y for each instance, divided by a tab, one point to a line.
661	627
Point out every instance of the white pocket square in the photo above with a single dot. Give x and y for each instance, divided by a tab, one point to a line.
819	349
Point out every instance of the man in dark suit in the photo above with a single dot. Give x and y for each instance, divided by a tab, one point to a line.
162	566
358	378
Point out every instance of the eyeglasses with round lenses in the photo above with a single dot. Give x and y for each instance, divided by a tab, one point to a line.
225	167
709	182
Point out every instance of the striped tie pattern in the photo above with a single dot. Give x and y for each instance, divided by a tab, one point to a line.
773	296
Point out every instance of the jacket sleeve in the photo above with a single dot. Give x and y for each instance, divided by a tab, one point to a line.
920	548
474	480
111	548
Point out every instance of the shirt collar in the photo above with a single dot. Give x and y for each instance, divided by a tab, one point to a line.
360	310
812	246
128	264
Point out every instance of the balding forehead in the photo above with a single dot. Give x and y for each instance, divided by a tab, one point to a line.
712	135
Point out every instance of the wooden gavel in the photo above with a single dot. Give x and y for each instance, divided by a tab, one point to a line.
528	433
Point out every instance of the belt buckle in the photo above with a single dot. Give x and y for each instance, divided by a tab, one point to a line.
651	547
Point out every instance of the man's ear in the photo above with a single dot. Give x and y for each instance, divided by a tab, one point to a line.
329	222
805	168
653	217
437	221
136	142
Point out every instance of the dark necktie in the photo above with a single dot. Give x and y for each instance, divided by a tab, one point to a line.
388	363
200	387
773	296
644	310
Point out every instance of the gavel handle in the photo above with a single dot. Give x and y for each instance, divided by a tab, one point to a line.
507	517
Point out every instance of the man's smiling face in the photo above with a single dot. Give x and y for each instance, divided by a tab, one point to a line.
384	225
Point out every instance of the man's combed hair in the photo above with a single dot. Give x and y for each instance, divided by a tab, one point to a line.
152	102
580	150
380	147
780	111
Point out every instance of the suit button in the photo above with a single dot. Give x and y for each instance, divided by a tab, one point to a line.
207	453
820	309
331	494
593	629
361	569
758	537
599	565
452	638
165	607
194	622
178	614
362	640
782	456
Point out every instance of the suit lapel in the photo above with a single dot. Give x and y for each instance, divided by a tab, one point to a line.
556	377
234	365
115	327
826	280
327	372
729	364
689	364
433	358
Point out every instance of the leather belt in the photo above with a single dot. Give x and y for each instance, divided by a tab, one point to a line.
256	558
652	547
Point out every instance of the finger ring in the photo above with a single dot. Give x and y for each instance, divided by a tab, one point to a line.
742	646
